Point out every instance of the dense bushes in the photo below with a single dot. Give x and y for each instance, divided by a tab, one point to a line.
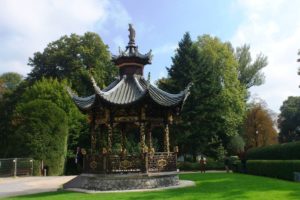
41	133
283	169
287	151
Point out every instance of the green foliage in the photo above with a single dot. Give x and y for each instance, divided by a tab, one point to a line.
283	169
250	72
10	80
55	91
41	133
215	108
72	58
183	64
236	144
286	151
37	168
289	120
8	104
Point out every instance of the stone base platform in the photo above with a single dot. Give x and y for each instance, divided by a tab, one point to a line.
112	182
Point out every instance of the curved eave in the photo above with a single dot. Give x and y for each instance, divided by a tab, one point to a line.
83	103
126	91
164	98
129	90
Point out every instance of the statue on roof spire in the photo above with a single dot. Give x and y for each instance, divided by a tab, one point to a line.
131	34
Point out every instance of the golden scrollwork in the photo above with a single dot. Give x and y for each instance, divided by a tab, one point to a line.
125	164
170	118
161	163
93	141
126	119
143	113
93	164
107	115
166	139
104	151
83	151
142	135
110	133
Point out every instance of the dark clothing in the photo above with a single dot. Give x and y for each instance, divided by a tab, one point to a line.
202	165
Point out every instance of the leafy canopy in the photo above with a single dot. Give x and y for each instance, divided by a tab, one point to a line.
249	73
289	120
216	105
73	58
259	126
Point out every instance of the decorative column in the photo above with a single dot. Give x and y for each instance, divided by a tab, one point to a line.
93	135
109	138
142	136
123	139
166	138
149	138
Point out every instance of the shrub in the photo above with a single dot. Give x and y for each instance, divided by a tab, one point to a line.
286	151
283	169
41	133
37	168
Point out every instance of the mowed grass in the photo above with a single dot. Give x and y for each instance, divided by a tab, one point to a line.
209	186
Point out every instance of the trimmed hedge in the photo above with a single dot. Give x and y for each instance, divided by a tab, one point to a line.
282	169
287	151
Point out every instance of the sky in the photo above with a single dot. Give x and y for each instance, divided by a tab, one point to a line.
270	27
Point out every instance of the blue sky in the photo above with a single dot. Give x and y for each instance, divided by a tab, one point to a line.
269	26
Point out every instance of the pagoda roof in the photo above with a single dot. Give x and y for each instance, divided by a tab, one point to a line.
132	54
128	90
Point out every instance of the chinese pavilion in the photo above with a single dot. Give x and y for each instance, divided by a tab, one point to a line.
130	101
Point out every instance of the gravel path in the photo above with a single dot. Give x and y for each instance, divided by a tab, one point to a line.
31	185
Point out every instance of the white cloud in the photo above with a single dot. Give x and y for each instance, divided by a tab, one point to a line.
272	27
28	26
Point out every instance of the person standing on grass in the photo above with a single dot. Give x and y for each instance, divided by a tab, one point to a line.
202	164
226	163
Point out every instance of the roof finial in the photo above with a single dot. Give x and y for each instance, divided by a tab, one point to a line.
131	34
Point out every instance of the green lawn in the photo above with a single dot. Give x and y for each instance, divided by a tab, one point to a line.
209	186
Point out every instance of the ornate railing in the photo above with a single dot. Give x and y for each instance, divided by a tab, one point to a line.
157	162
129	163
162	162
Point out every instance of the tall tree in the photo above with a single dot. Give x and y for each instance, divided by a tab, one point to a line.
259	126
249	73
215	108
289	120
183	63
73	58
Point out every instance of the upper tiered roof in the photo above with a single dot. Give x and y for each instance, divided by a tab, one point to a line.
130	87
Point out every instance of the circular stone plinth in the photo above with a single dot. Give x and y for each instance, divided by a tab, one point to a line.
97	182
182	184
